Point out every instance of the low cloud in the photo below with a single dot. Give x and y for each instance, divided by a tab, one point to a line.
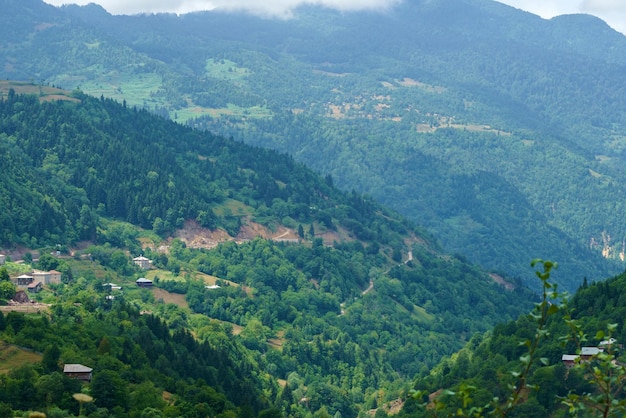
611	11
603	6
279	8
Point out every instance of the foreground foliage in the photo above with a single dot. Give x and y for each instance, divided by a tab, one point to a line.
517	370
136	359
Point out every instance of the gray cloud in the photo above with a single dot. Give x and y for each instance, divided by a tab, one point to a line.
611	11
602	6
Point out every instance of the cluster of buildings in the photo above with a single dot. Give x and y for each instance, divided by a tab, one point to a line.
34	282
587	353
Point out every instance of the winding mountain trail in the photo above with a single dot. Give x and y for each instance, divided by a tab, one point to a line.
369	288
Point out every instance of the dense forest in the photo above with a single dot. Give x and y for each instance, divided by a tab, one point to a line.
136	359
347	311
283	290
484	124
592	318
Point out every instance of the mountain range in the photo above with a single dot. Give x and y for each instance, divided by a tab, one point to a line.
327	292
498	131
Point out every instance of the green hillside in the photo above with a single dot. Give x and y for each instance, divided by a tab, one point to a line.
485	124
589	383
328	293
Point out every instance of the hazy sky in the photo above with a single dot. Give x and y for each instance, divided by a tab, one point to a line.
612	11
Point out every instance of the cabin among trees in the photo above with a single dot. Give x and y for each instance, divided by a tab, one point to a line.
143	282
78	371
588	353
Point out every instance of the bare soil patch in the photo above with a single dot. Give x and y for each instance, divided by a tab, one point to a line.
167	297
500	280
195	236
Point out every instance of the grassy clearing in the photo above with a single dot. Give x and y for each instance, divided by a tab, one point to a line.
421	315
12	357
45	93
233	208
87	270
225	70
137	89
168	297
164	275
190	112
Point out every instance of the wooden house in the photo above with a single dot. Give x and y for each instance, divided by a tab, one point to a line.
34	287
78	371
143	282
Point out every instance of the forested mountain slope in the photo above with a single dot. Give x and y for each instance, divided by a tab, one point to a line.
486	124
592	318
347	310
139	365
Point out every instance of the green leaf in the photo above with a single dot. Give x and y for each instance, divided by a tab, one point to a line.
553	309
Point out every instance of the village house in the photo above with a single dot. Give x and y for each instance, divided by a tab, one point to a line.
611	342
41	276
3	259
35	287
78	371
142	262
569	359
111	286
143	282
55	277
586	353
24	280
